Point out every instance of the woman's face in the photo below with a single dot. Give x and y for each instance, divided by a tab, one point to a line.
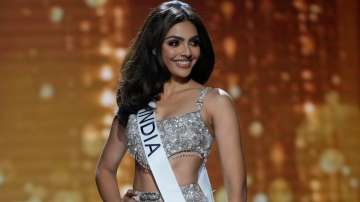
180	49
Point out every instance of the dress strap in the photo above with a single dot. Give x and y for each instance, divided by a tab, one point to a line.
202	94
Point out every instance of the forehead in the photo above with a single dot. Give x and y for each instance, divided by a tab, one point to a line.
184	29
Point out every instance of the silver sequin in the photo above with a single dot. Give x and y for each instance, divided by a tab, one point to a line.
184	133
191	192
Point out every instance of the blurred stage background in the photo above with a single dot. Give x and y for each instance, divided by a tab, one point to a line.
292	67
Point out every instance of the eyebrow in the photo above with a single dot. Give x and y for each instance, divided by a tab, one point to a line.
181	38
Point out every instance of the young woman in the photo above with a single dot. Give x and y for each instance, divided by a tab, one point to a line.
169	62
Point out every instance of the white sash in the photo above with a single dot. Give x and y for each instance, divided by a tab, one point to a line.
204	183
159	163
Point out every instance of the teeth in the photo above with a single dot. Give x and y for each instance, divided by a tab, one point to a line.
183	62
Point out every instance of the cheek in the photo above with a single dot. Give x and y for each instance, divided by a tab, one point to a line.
196	52
167	53
166	56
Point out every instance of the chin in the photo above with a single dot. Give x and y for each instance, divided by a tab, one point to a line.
181	77
181	74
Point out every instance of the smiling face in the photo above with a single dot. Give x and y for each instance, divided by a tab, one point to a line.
180	49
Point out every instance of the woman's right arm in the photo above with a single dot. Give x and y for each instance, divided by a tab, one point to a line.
108	163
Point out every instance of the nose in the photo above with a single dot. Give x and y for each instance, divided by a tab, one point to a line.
186	51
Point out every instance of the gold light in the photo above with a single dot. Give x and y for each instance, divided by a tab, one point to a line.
107	98
106	73
105	48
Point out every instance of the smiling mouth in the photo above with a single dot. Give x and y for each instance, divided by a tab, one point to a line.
183	63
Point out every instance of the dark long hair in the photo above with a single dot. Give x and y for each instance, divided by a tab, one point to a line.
143	73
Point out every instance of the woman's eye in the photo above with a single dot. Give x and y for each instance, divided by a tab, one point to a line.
173	43
195	43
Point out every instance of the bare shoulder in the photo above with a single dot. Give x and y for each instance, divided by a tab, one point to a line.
218	97
218	103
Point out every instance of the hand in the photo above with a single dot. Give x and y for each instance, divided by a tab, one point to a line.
128	197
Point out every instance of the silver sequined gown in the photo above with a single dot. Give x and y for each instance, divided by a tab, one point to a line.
183	133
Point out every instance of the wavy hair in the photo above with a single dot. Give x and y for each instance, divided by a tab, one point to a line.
143	72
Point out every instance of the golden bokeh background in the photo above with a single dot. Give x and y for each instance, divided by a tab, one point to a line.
292	67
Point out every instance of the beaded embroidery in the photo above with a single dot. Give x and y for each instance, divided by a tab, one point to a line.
192	193
183	133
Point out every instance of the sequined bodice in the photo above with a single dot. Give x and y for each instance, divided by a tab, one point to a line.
183	133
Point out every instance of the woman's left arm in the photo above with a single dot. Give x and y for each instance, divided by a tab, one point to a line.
224	119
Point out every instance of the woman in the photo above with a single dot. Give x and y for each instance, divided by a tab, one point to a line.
169	62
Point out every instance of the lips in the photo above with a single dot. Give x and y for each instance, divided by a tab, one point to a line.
183	63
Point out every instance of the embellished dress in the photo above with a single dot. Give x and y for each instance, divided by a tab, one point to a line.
179	134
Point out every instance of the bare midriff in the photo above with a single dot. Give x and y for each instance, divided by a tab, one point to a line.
185	167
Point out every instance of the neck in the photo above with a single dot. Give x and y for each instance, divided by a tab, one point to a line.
175	85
